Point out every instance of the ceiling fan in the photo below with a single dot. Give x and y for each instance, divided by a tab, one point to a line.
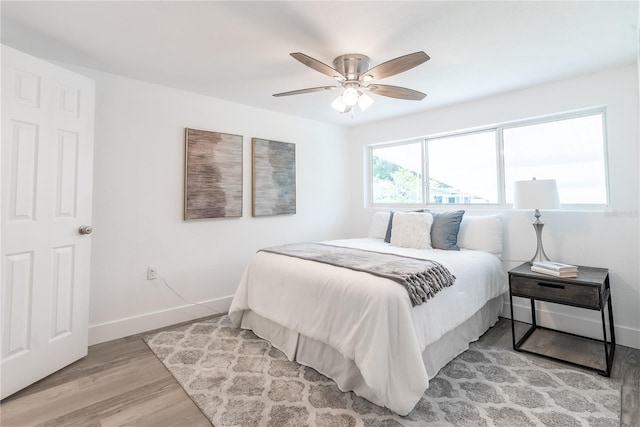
353	73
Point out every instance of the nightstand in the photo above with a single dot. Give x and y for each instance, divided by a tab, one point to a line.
590	290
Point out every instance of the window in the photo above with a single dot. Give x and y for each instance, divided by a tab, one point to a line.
462	169
481	167
570	151
397	173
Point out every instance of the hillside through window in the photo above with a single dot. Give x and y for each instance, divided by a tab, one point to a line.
397	174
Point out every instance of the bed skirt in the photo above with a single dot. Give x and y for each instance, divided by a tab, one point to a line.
329	362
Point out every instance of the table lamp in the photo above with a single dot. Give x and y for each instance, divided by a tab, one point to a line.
536	194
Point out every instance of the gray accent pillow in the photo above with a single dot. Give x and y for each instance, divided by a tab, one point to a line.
387	236
444	230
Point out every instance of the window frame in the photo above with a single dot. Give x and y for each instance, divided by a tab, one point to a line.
500	181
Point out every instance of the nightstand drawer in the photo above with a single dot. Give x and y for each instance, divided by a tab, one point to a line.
556	291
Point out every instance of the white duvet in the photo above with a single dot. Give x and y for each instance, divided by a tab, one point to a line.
366	318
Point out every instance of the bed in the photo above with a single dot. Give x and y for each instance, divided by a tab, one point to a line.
361	330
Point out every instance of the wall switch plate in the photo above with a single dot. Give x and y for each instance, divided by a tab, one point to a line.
152	272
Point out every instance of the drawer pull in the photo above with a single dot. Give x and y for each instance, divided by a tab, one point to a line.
551	285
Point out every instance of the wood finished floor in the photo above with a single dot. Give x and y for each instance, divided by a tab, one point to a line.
122	383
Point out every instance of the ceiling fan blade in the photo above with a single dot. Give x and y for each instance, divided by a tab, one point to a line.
308	90
396	92
317	65
397	65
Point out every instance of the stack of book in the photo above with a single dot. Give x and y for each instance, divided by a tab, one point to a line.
556	269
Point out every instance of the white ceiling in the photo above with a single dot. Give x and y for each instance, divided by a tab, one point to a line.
239	51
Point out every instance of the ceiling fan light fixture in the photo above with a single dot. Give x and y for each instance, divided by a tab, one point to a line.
364	101
350	96
354	75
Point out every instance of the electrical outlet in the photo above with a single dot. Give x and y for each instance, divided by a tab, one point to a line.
152	272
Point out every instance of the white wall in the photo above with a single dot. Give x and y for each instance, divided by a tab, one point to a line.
606	239
138	203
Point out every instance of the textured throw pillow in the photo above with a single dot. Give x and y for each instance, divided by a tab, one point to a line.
387	236
379	223
482	233
412	230
444	231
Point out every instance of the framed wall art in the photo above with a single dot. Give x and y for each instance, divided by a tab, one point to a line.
213	175
274	177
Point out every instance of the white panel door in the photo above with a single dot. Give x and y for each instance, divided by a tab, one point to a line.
47	170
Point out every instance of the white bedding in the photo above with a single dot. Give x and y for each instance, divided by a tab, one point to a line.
366	318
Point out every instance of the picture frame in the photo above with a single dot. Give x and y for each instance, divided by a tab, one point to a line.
274	177
213	175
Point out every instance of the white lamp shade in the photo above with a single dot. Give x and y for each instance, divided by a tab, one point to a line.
339	105
536	194
364	101
350	96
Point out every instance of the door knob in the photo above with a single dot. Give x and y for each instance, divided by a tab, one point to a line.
85	229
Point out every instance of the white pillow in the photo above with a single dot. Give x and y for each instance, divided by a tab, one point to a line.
411	230
481	233
379	223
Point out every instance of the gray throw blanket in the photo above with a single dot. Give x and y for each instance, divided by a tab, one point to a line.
422	278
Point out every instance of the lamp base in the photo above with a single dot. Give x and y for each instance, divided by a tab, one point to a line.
539	256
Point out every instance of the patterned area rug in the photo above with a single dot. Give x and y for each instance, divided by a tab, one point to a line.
238	379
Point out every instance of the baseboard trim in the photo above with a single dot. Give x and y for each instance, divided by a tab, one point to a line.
626	336
108	331
120	328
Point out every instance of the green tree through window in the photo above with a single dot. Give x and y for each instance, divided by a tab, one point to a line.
393	183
